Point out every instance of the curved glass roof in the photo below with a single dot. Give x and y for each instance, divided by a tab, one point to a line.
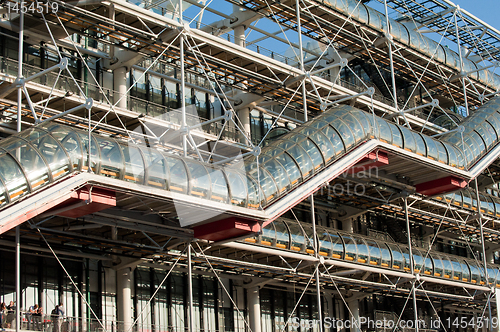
334	244
41	155
414	39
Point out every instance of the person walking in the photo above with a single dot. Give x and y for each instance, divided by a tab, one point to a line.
3	314
60	316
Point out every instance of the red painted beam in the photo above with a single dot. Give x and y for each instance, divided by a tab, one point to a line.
81	203
226	229
439	186
371	160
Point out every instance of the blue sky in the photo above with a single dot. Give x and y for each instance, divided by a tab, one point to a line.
486	10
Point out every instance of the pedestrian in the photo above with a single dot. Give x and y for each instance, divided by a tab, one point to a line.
29	315
3	314
37	318
54	318
11	315
60	316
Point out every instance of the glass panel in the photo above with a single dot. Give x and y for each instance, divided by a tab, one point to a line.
397	138
94	152
313	152
418	261
438	266
278	173
452	155
479	140
363	253
199	180
255	198
291	168
355	126
298	238
71	143
487	133
350	248
474	275
345	133
457	269
3	194
375	253
238	188
156	169
442	155
35	167
432	151
465	271
13	177
268	235
386	255
397	256
467	199
448	267
325	146
301	158
220	192
178	175
282	235
134	165
421	148
111	158
408	139
266	182
427	265
53	153
337	246
384	131
334	137
406	255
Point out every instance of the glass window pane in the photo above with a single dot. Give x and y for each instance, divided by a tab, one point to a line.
301	158
94	152
325	146
375	253
255	197
178	175
345	133
13	177
448	267
432	152
298	237
282	235
278	173
220	191
421	148
334	137
111	158
355	126
337	246
53	153
199	180
238	188
313	152
71	143
408	140
35	167
397	138
350	248
384	131
156	169
134	165
397	256
442	155
438	266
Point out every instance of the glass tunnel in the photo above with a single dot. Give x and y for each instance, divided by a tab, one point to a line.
45	153
338	245
415	40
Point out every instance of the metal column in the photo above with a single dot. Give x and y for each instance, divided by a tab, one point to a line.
412	265
191	323
19	109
